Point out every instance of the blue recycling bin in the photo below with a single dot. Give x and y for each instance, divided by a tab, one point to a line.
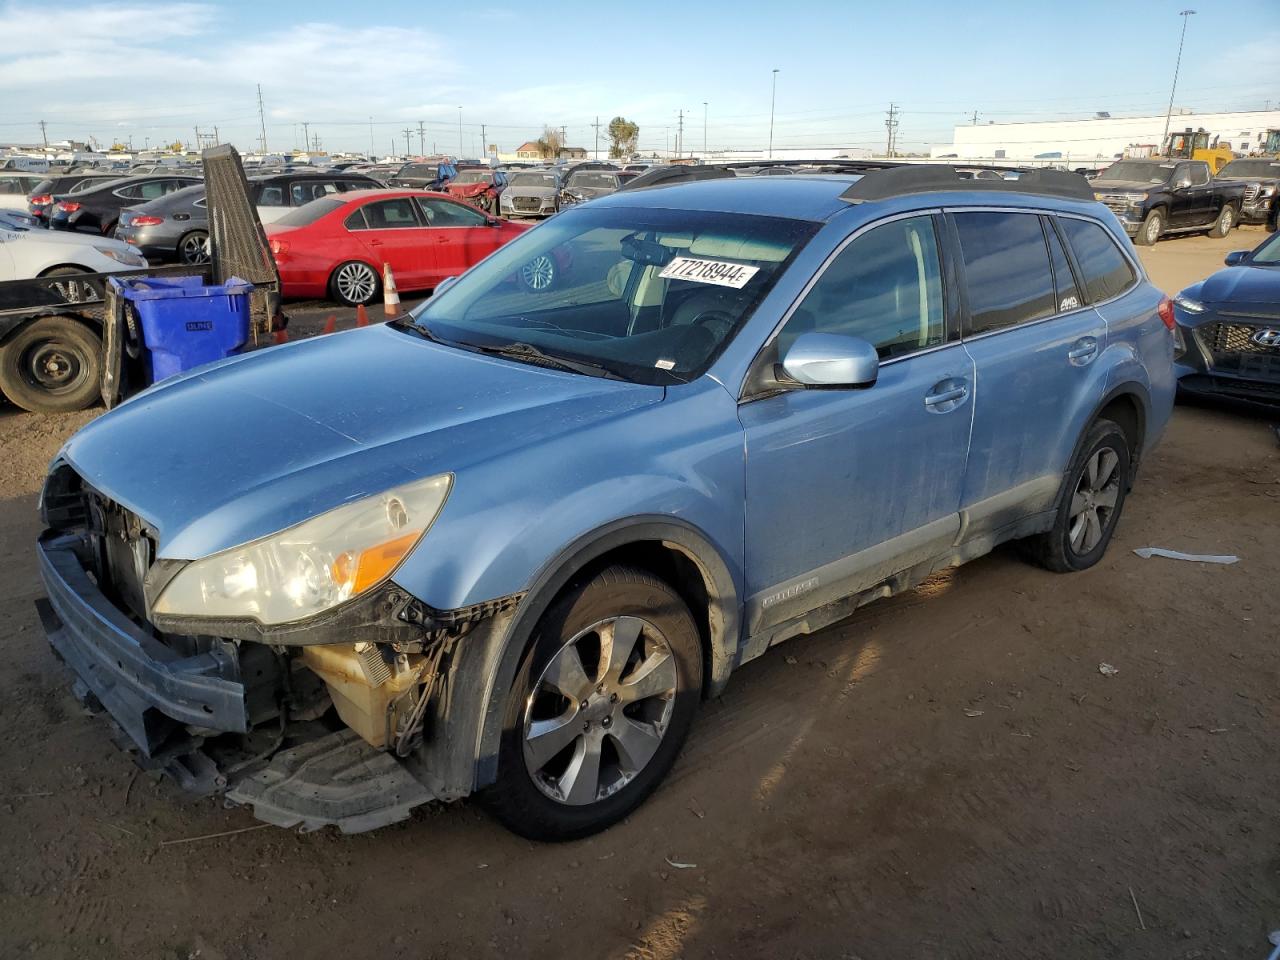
186	323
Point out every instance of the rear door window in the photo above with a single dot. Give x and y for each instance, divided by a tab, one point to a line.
445	213
391	214
304	191
1065	284
272	195
1007	271
1105	271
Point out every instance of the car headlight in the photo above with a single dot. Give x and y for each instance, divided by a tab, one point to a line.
1267	191
129	257
1189	305
1136	199
313	566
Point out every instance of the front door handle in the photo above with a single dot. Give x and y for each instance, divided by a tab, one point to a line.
946	395
1083	351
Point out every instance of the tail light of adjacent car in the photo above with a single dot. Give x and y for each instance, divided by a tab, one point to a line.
68	206
41	200
1166	314
145	220
279	248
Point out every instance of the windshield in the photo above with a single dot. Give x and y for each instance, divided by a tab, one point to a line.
472	176
1251	168
592	181
1137	171
649	295
533	180
309	212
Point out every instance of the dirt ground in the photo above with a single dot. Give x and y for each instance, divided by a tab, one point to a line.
948	775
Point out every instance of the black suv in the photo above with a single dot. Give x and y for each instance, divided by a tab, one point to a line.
424	176
1157	197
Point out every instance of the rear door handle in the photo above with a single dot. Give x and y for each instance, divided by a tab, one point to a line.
1083	351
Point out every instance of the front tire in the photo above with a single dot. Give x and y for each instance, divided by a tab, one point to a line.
52	365
600	707
193	248
1089	505
1151	229
1226	220
354	283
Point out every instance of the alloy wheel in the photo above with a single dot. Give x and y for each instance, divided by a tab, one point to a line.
1094	502
194	249
1153	228
600	710
356	282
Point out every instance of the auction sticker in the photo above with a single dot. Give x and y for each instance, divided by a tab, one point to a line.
718	272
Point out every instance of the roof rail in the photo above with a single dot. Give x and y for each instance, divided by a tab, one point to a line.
933	178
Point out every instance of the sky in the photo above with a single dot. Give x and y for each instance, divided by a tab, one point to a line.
359	74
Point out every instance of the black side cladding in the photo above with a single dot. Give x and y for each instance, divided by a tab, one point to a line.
937	178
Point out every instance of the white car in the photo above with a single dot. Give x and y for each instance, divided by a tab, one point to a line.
27	252
14	188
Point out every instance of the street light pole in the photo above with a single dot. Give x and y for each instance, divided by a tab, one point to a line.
1178	63
461	149
704	129
773	99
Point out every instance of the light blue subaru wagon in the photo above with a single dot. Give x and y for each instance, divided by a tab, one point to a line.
505	544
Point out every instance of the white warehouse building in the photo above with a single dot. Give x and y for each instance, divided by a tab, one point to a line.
1098	141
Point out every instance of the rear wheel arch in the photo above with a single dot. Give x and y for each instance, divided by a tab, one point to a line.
670	549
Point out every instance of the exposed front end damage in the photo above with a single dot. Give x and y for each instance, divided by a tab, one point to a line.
345	720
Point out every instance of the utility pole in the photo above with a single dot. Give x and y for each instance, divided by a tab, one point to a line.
773	99
422	138
461	148
372	148
484	142
316	143
408	132
975	118
892	126
704	129
44	135
680	134
596	154
306	135
1184	14
262	119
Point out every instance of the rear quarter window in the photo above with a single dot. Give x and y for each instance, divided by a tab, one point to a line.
1006	266
1106	272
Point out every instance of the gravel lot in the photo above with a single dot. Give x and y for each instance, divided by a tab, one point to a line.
948	775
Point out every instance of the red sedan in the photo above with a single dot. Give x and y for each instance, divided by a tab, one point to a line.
336	246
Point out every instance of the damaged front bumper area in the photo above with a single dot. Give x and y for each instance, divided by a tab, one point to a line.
307	731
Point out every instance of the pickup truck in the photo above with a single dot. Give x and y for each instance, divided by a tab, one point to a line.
1261	179
1156	198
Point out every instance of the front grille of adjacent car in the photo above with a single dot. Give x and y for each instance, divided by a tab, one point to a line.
1251	192
531	204
1117	203
1234	351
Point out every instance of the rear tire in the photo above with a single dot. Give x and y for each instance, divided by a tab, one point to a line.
1226	220
52	365
354	283
1151	229
193	248
1089	504
549	787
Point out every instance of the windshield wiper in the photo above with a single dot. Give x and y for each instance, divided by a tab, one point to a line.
527	351
409	325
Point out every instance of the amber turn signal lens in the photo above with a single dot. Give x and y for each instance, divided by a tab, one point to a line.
374	564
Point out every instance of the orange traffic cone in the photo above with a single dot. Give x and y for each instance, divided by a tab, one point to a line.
390	297
281	336
362	316
331	324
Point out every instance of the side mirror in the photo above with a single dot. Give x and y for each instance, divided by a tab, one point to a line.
831	360
1235	257
444	285
492	222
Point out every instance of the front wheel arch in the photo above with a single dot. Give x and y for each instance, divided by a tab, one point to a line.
721	614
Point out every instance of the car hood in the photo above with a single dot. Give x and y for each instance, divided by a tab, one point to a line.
466	189
1244	284
64	239
1122	186
593	191
248	446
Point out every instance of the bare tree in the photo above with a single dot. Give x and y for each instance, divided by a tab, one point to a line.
551	142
